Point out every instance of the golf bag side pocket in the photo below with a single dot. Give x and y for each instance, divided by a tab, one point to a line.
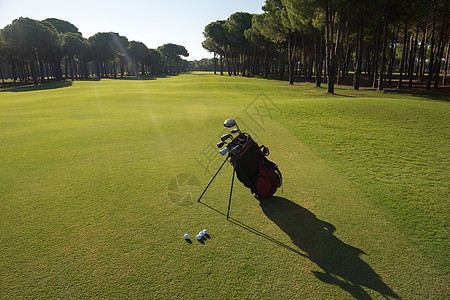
269	178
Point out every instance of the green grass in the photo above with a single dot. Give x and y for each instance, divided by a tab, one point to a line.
93	202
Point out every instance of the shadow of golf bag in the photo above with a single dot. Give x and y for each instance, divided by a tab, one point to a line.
252	167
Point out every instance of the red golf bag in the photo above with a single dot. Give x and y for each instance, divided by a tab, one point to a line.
252	167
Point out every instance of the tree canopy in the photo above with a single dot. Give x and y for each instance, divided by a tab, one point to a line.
55	49
338	38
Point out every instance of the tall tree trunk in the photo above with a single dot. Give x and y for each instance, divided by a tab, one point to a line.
33	68
21	69
330	51
57	65
419	55
426	37
232	62
402	62
280	61
66	68
13	71
376	58
97	65
383	58
266	59
72	66
440	53
22	75
215	63
114	69
291	51
47	71
356	76
340	53
316	59
2	76
432	46
226	57
412	56
444	79
392	54
41	68
347	57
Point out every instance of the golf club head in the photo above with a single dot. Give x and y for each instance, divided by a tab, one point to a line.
229	123
234	149
220	144
234	130
223	151
226	136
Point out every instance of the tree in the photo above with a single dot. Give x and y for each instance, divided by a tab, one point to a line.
210	45
270	24
138	52
62	26
154	61
236	25
105	49
259	44
171	56
33	41
120	45
3	54
74	47
216	35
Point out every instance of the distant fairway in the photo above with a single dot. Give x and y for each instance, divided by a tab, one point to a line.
99	181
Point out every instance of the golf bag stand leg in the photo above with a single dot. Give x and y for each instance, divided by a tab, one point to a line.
204	191
231	192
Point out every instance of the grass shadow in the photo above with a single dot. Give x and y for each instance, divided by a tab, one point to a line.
253	230
39	87
147	77
341	263
441	94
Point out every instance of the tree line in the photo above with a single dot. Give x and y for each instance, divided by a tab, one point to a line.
390	42
39	51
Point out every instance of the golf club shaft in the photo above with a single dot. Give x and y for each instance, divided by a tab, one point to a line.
238	128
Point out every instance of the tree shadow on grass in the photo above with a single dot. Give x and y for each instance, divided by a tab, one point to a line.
147	77
440	94
341	263
39	87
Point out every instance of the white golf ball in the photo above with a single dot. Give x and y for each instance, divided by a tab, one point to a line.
205	231
200	233
186	236
199	237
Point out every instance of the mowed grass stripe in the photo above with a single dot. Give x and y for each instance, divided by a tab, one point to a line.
85	210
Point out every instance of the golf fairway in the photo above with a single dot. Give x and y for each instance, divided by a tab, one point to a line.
99	181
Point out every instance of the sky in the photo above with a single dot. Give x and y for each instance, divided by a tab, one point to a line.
153	22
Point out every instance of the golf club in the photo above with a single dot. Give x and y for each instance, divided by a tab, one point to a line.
223	151
226	136
220	144
231	123
234	130
234	149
